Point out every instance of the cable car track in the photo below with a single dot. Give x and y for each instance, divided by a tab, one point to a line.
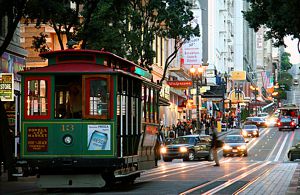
201	189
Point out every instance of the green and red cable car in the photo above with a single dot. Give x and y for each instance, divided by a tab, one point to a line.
88	118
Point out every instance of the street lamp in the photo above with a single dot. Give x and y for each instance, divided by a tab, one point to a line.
255	92
196	75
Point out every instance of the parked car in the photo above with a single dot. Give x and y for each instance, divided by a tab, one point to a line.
234	144
188	147
250	131
294	152
258	121
286	122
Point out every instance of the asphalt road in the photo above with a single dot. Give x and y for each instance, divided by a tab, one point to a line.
236	175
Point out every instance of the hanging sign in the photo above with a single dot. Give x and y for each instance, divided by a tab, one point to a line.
6	87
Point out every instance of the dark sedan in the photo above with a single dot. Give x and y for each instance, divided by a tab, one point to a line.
250	131
286	122
294	152
234	144
258	121
189	147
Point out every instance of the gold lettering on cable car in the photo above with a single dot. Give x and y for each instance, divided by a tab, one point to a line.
68	127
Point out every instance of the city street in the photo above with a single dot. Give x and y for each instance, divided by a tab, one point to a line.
266	170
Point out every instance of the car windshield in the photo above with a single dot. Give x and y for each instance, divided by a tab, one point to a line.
249	127
263	114
234	139
285	119
256	119
184	140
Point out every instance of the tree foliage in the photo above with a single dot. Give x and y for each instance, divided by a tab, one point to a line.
285	79
285	63
63	18
281	18
127	28
12	11
131	28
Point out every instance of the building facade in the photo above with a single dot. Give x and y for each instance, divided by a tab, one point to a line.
11	62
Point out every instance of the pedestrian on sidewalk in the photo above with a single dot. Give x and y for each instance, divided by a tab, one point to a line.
214	145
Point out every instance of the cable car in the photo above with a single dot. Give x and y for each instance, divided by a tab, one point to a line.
89	118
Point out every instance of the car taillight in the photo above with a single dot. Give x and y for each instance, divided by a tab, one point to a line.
279	123
292	123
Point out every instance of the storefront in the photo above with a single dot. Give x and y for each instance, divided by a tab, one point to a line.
10	84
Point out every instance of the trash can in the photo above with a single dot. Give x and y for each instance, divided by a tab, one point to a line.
219	126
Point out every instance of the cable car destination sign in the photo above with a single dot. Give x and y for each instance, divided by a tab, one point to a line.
7	86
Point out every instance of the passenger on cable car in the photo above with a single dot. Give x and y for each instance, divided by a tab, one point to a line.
74	107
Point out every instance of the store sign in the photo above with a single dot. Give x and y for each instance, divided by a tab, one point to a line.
7	87
238	75
180	84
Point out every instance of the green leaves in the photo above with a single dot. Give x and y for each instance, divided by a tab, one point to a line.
280	17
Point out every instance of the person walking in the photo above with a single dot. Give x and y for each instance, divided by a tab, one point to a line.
214	145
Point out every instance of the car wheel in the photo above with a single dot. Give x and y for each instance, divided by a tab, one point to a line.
224	155
167	159
257	135
210	156
290	156
191	155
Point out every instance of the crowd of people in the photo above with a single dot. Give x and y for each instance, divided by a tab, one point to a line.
188	127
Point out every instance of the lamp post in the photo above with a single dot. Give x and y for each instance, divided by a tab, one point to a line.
255	92
238	90
224	83
196	75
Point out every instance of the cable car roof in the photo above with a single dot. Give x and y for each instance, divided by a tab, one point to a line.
86	61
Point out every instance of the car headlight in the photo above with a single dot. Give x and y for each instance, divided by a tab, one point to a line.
163	150
68	139
183	149
227	147
243	147
254	132
244	133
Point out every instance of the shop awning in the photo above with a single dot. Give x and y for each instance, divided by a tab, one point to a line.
214	92
163	101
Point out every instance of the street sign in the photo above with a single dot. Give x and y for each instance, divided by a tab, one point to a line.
238	75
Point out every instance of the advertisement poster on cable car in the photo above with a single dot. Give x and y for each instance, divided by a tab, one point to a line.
99	137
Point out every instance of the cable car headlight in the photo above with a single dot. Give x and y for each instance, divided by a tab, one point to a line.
68	139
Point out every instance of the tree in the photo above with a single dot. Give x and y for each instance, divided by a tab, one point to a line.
63	18
129	30
285	79
279	16
12	11
285	62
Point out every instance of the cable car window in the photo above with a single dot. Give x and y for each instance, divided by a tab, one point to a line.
97	97
68	96
37	97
